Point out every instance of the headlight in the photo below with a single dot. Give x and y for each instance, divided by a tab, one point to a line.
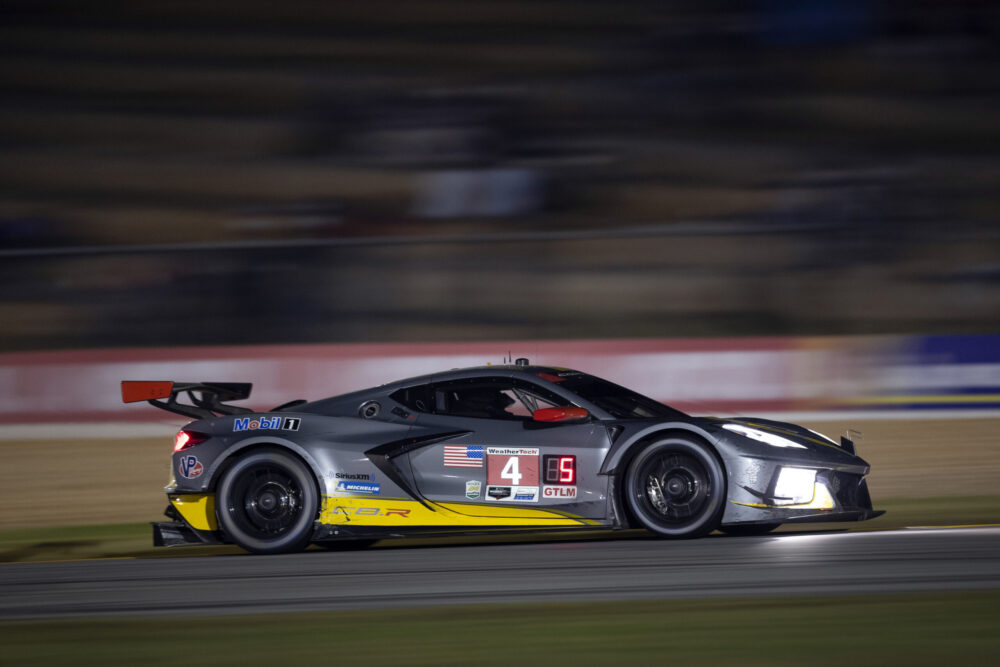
795	486
798	487
761	436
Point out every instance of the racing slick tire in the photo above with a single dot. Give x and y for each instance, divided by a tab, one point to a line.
676	488
267	501
748	529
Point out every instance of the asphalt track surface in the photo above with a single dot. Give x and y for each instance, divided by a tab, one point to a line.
817	563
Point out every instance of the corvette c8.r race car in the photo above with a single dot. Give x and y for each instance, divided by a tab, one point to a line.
494	449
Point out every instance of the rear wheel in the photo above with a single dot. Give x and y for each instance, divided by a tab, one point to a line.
676	488
747	529
267	502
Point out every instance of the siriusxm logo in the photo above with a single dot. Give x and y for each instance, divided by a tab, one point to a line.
368	488
354	475
254	423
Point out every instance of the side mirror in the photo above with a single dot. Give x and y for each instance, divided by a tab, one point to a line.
568	414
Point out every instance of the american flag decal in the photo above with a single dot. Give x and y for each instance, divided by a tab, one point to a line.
463	456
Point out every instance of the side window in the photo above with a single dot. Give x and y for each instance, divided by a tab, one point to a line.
418	399
478	398
489	400
530	398
517	406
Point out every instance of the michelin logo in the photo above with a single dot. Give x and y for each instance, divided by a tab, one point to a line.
367	488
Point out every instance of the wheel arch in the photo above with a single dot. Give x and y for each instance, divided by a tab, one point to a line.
619	458
242	448
617	462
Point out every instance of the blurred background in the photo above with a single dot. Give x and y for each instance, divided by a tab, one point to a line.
190	173
771	207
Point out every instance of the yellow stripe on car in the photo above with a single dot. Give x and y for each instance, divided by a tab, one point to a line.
198	509
386	512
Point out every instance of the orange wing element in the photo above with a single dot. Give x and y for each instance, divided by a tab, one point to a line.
135	391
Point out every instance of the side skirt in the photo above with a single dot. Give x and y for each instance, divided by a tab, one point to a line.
332	533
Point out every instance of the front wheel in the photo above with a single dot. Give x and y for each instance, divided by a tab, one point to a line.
676	488
267	502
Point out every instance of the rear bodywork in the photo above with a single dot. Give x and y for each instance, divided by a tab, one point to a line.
384	468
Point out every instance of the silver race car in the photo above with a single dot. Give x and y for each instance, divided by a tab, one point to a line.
494	449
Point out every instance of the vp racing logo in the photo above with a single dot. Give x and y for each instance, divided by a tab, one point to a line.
190	467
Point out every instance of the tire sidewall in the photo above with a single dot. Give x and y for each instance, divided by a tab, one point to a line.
710	515
298	536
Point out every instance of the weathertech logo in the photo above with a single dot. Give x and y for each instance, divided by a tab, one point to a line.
512	451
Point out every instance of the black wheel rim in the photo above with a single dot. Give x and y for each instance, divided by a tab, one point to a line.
265	501
673	488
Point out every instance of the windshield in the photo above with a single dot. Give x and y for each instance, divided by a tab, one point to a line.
619	402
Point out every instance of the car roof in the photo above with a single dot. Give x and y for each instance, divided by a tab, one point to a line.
533	373
507	370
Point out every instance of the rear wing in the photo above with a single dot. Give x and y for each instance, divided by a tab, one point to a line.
206	398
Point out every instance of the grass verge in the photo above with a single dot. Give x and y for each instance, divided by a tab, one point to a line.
911	629
135	539
948	511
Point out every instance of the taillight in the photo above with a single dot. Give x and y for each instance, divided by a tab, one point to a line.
185	439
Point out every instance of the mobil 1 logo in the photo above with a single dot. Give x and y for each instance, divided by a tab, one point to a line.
275	422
